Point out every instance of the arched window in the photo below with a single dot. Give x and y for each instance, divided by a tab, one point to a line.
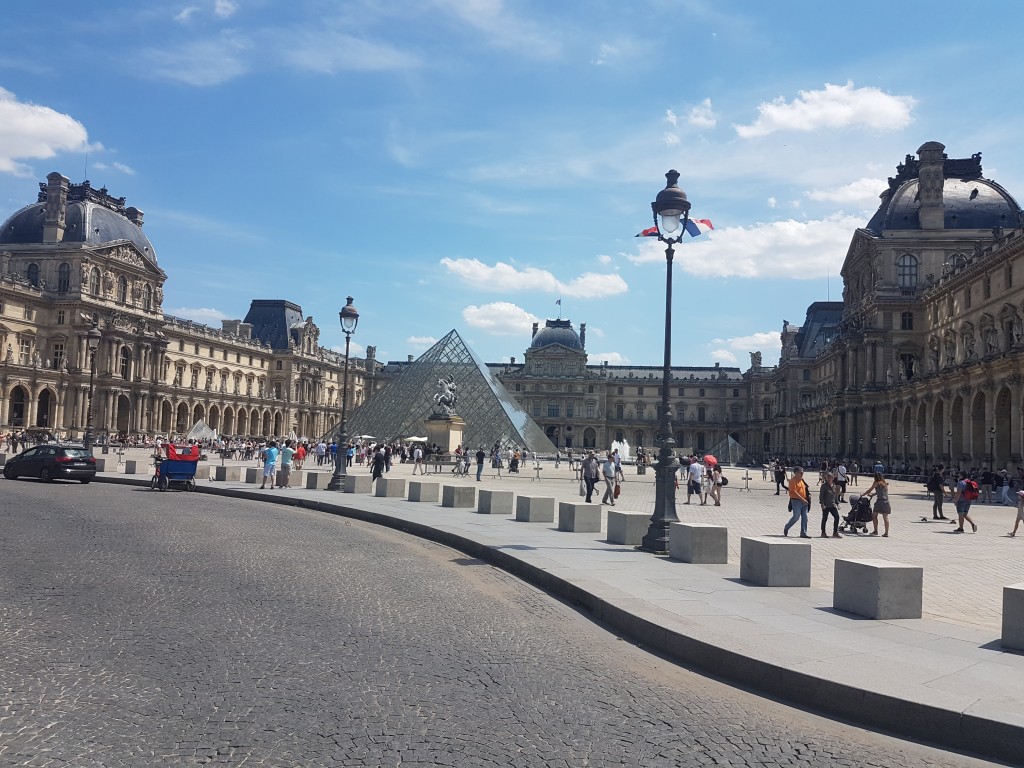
64	278
126	363
147	297
94	281
122	290
553	409
906	271
32	273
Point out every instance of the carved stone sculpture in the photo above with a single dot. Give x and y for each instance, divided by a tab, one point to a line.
446	397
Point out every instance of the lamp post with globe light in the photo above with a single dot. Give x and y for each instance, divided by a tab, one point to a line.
673	210
349	317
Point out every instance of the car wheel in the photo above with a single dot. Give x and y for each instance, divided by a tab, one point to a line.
162	485
190	485
9	473
45	476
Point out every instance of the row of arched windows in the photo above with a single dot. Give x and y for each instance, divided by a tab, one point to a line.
92	286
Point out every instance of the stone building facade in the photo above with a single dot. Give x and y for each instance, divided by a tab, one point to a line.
923	360
78	257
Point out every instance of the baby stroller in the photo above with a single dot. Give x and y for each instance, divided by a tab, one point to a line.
859	517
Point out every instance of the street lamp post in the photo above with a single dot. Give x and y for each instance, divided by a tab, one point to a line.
874	448
949	446
860	451
888	450
801	449
992	446
349	317
673	210
92	340
925	450
906	442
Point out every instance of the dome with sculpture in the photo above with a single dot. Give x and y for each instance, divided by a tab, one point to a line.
90	216
954	188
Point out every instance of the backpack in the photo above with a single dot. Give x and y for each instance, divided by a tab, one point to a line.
970	490
724	480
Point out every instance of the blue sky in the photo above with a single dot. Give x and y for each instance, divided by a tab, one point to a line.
466	163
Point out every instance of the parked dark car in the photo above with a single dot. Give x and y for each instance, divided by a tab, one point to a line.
48	462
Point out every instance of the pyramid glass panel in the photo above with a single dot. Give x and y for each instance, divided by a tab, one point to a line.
491	413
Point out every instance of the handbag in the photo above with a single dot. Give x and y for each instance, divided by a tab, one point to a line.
724	480
616	493
583	488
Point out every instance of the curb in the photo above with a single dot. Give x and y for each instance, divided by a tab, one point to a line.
980	736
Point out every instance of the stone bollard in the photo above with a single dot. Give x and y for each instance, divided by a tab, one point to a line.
253	474
1013	617
773	562
627	527
317	481
535	509
364	484
878	589
102	465
461	496
295	478
698	543
387	487
3	459
228	474
579	518
495	503
135	467
423	491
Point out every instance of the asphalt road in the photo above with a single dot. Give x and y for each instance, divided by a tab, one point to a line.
141	628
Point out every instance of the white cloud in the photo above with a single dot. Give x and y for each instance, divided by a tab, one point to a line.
604	53
670	139
186	13
125	169
768	343
329	51
671	117
225	8
421	341
863	192
500	318
355	349
505	277
497	26
836	106
788	249
612	358
32	132
772	202
703	116
205	315
604	259
203	62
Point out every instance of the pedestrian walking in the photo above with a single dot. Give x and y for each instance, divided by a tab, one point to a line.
608	473
694	476
716	485
287	457
480	458
1005	484
937	488
966	492
842	478
269	463
780	476
588	473
799	502
880	490
377	465
1020	513
827	500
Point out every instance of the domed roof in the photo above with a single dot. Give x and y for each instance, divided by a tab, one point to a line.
556	332
92	217
969	201
86	222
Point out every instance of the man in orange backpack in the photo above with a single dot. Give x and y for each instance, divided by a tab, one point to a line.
965	492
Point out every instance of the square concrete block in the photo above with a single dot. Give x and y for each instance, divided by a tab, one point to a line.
105	465
318	481
627	527
698	543
364	484
878	589
581	518
461	496
294	481
495	503
136	467
535	509
253	474
3	459
228	474
1013	617
421	491
387	487
775	562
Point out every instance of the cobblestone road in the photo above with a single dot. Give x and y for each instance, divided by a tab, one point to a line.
141	629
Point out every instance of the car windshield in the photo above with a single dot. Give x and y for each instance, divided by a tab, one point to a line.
76	453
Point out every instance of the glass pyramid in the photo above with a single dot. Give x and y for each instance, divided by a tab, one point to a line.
491	413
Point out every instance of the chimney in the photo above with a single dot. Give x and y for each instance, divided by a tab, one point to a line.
134	216
230	326
511	361
583	336
245	330
408	358
931	210
535	325
371	355
56	208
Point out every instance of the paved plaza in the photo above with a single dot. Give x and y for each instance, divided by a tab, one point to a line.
945	671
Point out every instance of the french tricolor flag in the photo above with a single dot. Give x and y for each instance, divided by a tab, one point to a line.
699	226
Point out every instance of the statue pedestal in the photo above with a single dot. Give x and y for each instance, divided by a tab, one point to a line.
445	430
